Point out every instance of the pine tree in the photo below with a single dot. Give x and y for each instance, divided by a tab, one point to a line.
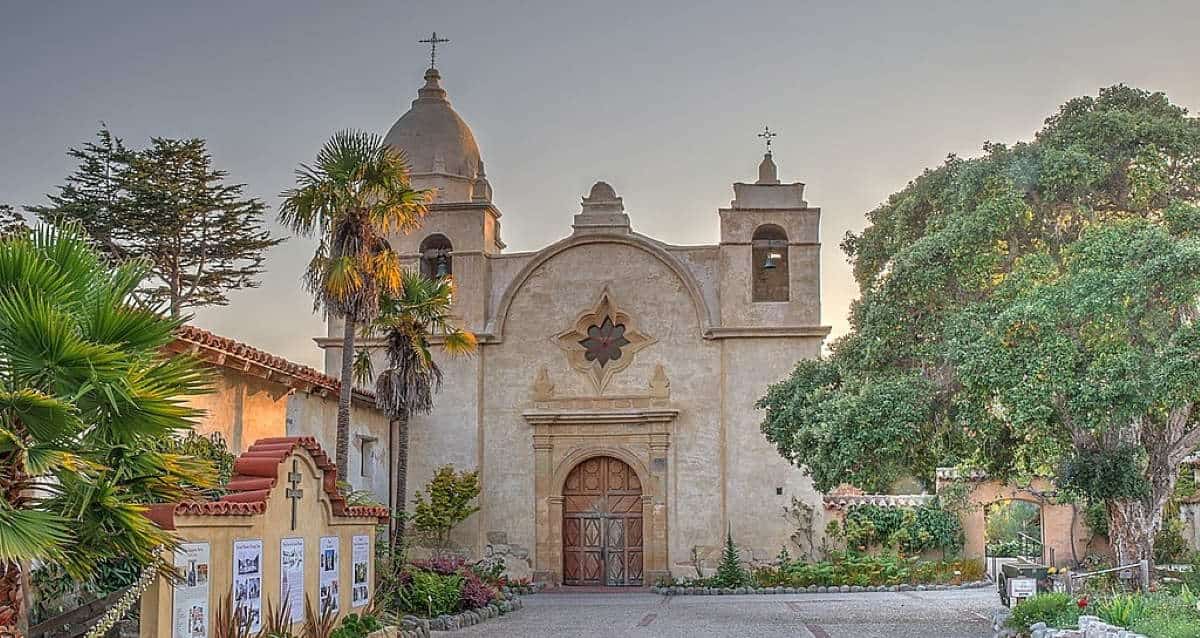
11	222
730	572
93	194
166	204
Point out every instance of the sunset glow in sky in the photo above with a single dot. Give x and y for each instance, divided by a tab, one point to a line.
662	100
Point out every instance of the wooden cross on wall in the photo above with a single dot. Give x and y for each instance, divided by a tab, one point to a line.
294	492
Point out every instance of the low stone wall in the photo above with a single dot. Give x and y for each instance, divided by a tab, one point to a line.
672	590
415	627
1089	627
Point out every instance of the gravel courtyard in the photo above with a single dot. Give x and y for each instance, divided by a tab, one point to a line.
933	614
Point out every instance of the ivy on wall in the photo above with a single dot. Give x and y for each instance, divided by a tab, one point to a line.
910	530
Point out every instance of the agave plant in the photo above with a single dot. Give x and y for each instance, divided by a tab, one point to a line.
86	395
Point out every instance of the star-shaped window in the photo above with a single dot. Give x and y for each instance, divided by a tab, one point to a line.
604	342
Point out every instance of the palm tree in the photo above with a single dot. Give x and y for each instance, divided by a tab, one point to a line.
351	199
419	312
86	396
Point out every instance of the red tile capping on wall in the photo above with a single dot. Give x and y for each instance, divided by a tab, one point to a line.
254	476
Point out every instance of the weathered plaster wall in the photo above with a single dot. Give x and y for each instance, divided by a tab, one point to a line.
803	307
754	468
450	436
316	416
547	304
242	407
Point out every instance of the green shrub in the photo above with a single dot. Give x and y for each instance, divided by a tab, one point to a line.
1054	609
907	529
431	595
1123	610
730	572
446	501
355	626
867	570
1169	544
210	447
1160	626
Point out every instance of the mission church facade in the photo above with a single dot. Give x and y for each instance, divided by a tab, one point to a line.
610	408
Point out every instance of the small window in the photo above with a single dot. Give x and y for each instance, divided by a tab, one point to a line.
436	257
769	263
368	461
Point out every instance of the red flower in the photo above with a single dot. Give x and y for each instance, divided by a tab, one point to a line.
1082	602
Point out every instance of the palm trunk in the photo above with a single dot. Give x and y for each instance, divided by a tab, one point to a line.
347	390
401	474
12	600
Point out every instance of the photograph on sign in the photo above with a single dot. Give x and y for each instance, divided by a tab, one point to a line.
361	553
291	576
247	582
189	610
329	574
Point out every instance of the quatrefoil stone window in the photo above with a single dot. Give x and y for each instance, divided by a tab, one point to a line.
602	342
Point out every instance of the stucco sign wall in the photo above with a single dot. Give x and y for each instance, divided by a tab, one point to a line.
283	535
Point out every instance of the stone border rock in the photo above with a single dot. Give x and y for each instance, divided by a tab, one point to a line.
1089	627
673	590
416	627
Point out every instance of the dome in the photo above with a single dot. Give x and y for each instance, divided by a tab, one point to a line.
601	191
432	135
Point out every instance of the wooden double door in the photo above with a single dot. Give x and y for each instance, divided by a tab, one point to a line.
602	524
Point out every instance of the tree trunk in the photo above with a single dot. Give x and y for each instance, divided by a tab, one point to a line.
401	474
1133	523
1132	526
343	414
12	600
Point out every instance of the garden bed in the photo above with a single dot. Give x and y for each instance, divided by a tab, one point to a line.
673	590
844	572
1163	614
416	627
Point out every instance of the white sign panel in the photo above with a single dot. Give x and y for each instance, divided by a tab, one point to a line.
1021	587
291	576
189	610
247	583
361	553
329	574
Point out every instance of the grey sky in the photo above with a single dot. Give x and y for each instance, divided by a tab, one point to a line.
663	100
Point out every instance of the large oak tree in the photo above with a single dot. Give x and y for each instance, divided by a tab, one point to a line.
1028	312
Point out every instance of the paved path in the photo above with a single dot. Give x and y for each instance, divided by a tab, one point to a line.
934	614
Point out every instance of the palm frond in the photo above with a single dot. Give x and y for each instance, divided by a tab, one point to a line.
45	417
31	535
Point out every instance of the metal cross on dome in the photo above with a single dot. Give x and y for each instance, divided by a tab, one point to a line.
433	40
767	134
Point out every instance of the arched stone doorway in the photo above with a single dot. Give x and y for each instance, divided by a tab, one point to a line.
602	532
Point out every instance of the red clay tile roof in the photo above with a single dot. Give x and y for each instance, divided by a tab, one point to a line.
254	476
234	354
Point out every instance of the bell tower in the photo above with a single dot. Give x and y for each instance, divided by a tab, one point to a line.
462	225
770	254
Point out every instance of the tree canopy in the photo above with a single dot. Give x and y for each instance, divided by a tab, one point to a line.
167	205
1027	312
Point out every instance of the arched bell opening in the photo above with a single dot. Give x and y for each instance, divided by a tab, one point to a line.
769	263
